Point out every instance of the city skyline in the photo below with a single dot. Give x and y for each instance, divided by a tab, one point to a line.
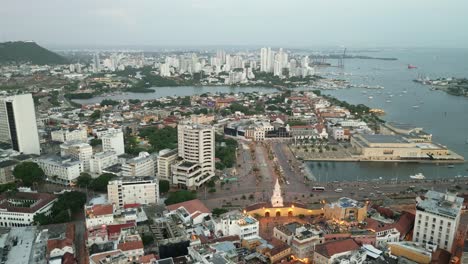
213	23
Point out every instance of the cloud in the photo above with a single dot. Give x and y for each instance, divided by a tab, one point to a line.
119	16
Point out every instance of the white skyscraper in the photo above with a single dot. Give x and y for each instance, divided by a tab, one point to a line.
277	70
196	148
164	70
266	60
221	56
18	123
437	219
114	142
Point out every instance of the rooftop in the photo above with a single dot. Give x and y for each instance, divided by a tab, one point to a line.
383	138
446	204
191	206
98	210
345	202
336	247
25	202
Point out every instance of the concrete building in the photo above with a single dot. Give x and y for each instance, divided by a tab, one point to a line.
166	159
77	150
18	125
417	252
396	147
196	148
138	190
437	219
113	142
101	160
64	135
345	209
301	238
236	223
59	170
143	165
19	209
6	171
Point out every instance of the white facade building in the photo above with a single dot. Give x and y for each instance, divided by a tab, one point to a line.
64	135
58	170
101	160
437	219
196	148
20	208
18	125
113	142
77	150
166	159
143	165
236	223
98	215
137	190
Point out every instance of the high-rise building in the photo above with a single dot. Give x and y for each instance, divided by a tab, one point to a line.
137	190
77	150
437	219
277	70
221	56
264	67
113	142
196	149
164	70
18	123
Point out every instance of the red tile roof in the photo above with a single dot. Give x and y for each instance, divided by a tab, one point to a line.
41	200
191	206
405	223
100	209
147	258
335	247
116	229
131	245
133	205
68	258
61	243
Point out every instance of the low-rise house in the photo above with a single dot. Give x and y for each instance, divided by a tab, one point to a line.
99	214
325	253
193	211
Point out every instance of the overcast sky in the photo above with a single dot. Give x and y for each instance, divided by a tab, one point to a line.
352	23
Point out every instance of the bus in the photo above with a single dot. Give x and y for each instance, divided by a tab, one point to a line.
318	189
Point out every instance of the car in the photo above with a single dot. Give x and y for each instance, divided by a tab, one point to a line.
287	182
338	190
361	189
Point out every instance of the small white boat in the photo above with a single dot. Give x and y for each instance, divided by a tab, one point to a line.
418	176
370	97
415	106
339	190
388	101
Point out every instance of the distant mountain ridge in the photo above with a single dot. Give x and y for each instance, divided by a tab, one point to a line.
28	51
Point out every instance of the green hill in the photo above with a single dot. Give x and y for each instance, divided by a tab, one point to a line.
28	51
